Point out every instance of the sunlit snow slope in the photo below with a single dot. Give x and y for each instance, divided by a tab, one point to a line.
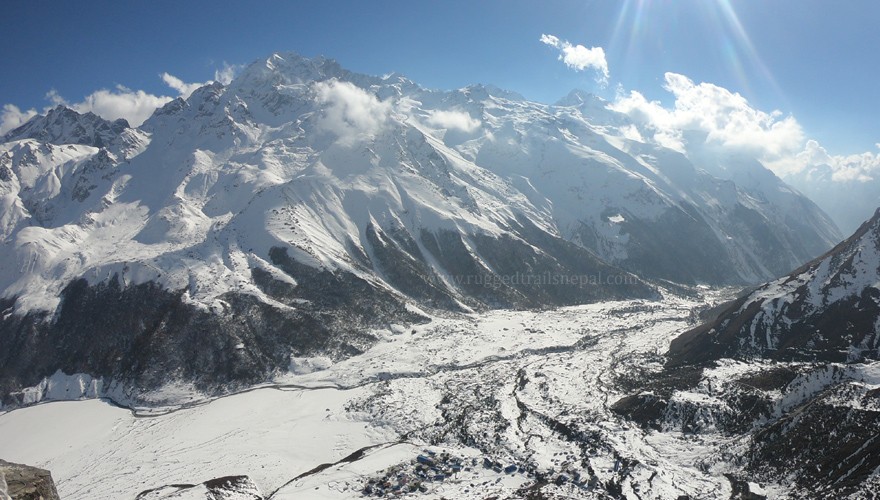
292	210
826	310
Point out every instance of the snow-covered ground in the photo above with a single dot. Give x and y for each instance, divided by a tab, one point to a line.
530	389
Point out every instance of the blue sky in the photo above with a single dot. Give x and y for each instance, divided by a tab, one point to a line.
814	60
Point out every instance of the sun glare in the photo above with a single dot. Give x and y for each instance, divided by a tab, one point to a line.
638	21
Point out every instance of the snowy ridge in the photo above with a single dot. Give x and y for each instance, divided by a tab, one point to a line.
828	309
320	204
305	141
62	125
788	372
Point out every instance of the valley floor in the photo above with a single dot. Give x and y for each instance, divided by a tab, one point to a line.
488	392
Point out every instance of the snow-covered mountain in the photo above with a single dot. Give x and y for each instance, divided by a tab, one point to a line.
301	205
62	125
787	373
826	310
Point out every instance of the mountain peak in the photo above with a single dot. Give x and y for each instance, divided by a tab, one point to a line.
63	125
578	97
288	68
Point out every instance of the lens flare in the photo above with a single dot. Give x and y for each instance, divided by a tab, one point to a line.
643	25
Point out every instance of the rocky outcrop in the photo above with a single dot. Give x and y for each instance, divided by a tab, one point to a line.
790	369
225	488
23	482
827	310
829	444
62	125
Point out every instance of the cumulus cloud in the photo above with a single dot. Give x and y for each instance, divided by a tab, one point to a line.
707	122
579	57
350	111
862	167
11	117
706	115
223	75
55	98
133	105
182	88
120	102
814	154
453	120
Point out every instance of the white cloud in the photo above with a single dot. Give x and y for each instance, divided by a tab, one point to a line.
133	105
453	120
657	121
707	121
550	40
55	98
862	167
182	88
579	57
706	116
121	102
225	74
222	75
814	154
350	110
11	117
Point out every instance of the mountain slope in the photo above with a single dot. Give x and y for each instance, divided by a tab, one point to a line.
827	310
301	206
789	371
647	208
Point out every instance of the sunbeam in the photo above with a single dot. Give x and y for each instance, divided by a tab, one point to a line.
642	29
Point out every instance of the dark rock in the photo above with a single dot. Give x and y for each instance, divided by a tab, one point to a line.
23	482
143	335
796	318
831	449
227	488
644	409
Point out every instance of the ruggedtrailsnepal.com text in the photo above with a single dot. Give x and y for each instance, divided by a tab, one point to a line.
544	279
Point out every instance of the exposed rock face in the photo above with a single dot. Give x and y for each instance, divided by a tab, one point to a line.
834	438
792	370
143	336
827	310
808	427
223	488
23	482
62	125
